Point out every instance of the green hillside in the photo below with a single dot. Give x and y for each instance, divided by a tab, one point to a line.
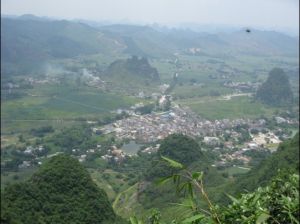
25	42
61	191
276	90
131	72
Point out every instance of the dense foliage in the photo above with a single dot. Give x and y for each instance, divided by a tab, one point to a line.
73	137
276	91
60	192
276	203
185	150
181	148
178	147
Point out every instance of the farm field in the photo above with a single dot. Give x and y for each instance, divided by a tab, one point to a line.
236	107
47	104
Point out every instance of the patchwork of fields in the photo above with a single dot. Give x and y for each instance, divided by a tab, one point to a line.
49	104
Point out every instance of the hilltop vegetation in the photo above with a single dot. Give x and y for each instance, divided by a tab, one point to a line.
60	192
132	70
276	90
178	147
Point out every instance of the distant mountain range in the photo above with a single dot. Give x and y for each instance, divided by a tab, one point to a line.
28	41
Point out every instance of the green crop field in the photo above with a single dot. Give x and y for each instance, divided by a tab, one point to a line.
235	170
56	103
190	91
236	107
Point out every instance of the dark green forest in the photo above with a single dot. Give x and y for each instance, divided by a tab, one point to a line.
61	191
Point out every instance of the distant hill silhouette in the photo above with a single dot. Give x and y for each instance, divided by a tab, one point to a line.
276	90
60	192
132	69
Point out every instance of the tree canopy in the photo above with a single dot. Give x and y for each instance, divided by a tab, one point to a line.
61	191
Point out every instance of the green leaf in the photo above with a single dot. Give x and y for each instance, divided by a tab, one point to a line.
164	180
181	187
186	203
190	189
193	218
176	178
294	219
262	218
197	175
232	198
173	163
133	220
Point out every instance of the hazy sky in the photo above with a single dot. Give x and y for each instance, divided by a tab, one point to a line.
276	14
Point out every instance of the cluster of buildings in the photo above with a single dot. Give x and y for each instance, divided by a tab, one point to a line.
115	155
237	155
30	150
151	149
281	120
36	152
152	127
47	80
155	126
265	138
241	86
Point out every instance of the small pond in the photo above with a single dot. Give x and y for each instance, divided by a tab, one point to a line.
131	148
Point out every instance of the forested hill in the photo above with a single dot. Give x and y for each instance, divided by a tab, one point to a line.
27	43
60	192
132	69
276	90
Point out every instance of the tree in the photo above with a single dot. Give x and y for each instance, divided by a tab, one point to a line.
21	138
178	147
